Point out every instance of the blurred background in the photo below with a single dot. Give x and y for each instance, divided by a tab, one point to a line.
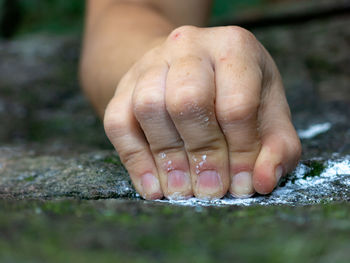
40	100
19	17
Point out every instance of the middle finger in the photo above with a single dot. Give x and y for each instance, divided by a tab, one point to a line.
190	96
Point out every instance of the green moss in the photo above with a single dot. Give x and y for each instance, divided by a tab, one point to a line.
113	159
59	208
140	231
29	178
316	168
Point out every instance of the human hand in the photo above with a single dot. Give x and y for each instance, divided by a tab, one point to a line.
201	114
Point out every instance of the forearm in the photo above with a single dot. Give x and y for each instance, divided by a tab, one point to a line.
115	38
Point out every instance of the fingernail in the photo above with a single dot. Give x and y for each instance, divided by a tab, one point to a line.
242	185
150	186
278	173
208	182
178	180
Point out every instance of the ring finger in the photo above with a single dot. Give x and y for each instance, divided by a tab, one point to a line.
165	143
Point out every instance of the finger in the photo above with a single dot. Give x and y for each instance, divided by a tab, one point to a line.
125	134
238	82
165	143
190	95
281	148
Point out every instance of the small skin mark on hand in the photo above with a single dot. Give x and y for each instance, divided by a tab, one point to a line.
223	59
177	35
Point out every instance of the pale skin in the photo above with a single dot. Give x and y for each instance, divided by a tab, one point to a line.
191	111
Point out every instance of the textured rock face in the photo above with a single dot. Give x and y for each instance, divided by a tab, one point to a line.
55	147
101	175
87	176
54	153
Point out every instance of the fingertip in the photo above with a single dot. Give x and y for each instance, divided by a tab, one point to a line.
155	196
268	170
210	185
178	185
242	185
150	187
267	174
278	154
264	180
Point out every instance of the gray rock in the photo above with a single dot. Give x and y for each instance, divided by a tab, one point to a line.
99	175
87	176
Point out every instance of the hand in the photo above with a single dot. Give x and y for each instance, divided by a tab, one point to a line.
201	114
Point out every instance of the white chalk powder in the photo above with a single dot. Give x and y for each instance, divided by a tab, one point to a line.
314	130
332	183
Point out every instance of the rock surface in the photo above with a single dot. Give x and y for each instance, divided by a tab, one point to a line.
101	175
54	154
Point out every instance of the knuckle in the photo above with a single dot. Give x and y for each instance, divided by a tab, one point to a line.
228	113
113	125
114	121
248	149
190	60
183	39
238	39
188	101
148	104
130	156
172	147
241	35
291	143
211	146
183	31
